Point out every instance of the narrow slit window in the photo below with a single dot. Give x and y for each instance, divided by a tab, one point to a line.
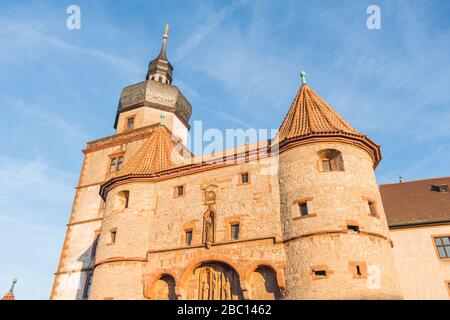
358	270
112	236
372	209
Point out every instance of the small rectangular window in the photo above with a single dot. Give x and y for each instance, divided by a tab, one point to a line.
303	207
244	178
235	231
320	273
441	188
112	166
180	191
130	123
443	246
87	286
116	164
188	237
353	228
113	236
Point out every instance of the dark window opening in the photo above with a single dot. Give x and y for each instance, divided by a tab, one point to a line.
235	231
320	273
353	228
130	123
358	270
303	209
180	191
244	178
188	237
113	236
443	188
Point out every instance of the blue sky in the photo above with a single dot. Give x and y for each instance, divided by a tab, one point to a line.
238	63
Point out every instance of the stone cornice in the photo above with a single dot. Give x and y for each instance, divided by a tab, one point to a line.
121	138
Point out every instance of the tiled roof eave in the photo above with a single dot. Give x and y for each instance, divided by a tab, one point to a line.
373	148
226	160
422	222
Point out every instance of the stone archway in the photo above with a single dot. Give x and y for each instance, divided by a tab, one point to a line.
264	284
214	281
164	288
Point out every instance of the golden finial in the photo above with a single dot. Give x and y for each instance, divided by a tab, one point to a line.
166	30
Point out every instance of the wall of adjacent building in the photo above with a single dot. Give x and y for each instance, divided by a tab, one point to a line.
422	273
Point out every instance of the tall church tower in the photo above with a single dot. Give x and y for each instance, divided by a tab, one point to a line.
149	110
334	227
147	102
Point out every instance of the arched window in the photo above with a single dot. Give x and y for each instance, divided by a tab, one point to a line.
330	160
121	200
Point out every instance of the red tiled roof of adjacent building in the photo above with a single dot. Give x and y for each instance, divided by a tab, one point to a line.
416	202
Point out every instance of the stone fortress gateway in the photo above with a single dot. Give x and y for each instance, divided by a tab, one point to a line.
169	225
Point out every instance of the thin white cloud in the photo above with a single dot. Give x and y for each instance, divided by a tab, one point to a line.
23	37
43	117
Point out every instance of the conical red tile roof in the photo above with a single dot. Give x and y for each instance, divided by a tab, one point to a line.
310	117
309	113
160	152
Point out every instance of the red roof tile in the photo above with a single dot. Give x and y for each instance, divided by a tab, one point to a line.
309	113
414	202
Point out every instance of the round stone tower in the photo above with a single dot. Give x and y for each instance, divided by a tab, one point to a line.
334	227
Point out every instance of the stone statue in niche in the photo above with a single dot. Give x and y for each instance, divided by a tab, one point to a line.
208	228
